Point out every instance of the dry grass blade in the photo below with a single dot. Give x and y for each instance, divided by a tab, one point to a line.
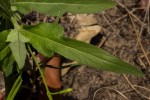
132	86
142	87
110	89
146	15
109	23
139	41
134	27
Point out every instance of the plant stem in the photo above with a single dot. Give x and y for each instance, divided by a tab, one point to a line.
47	90
15	23
62	91
15	88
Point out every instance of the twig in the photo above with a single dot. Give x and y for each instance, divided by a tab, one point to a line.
148	10
44	81
141	62
120	18
138	38
130	12
132	86
146	14
139	41
142	87
110	89
147	53
103	41
110	24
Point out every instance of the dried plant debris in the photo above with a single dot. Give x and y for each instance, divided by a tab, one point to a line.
125	34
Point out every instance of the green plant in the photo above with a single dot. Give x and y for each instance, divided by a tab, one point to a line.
48	38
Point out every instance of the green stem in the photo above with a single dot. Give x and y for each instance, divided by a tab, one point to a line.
15	88
47	90
15	23
62	91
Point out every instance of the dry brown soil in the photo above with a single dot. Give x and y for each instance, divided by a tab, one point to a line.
126	36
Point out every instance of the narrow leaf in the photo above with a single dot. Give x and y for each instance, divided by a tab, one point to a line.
62	91
19	52
4	52
59	7
17	46
13	36
76	50
3	38
5	8
14	88
40	44
4	48
5	24
8	65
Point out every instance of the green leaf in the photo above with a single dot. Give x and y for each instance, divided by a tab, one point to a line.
14	88
19	52
17	46
3	38
76	50
13	36
4	48
5	8
62	91
8	65
59	7
5	24
1	63
41	45
4	52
